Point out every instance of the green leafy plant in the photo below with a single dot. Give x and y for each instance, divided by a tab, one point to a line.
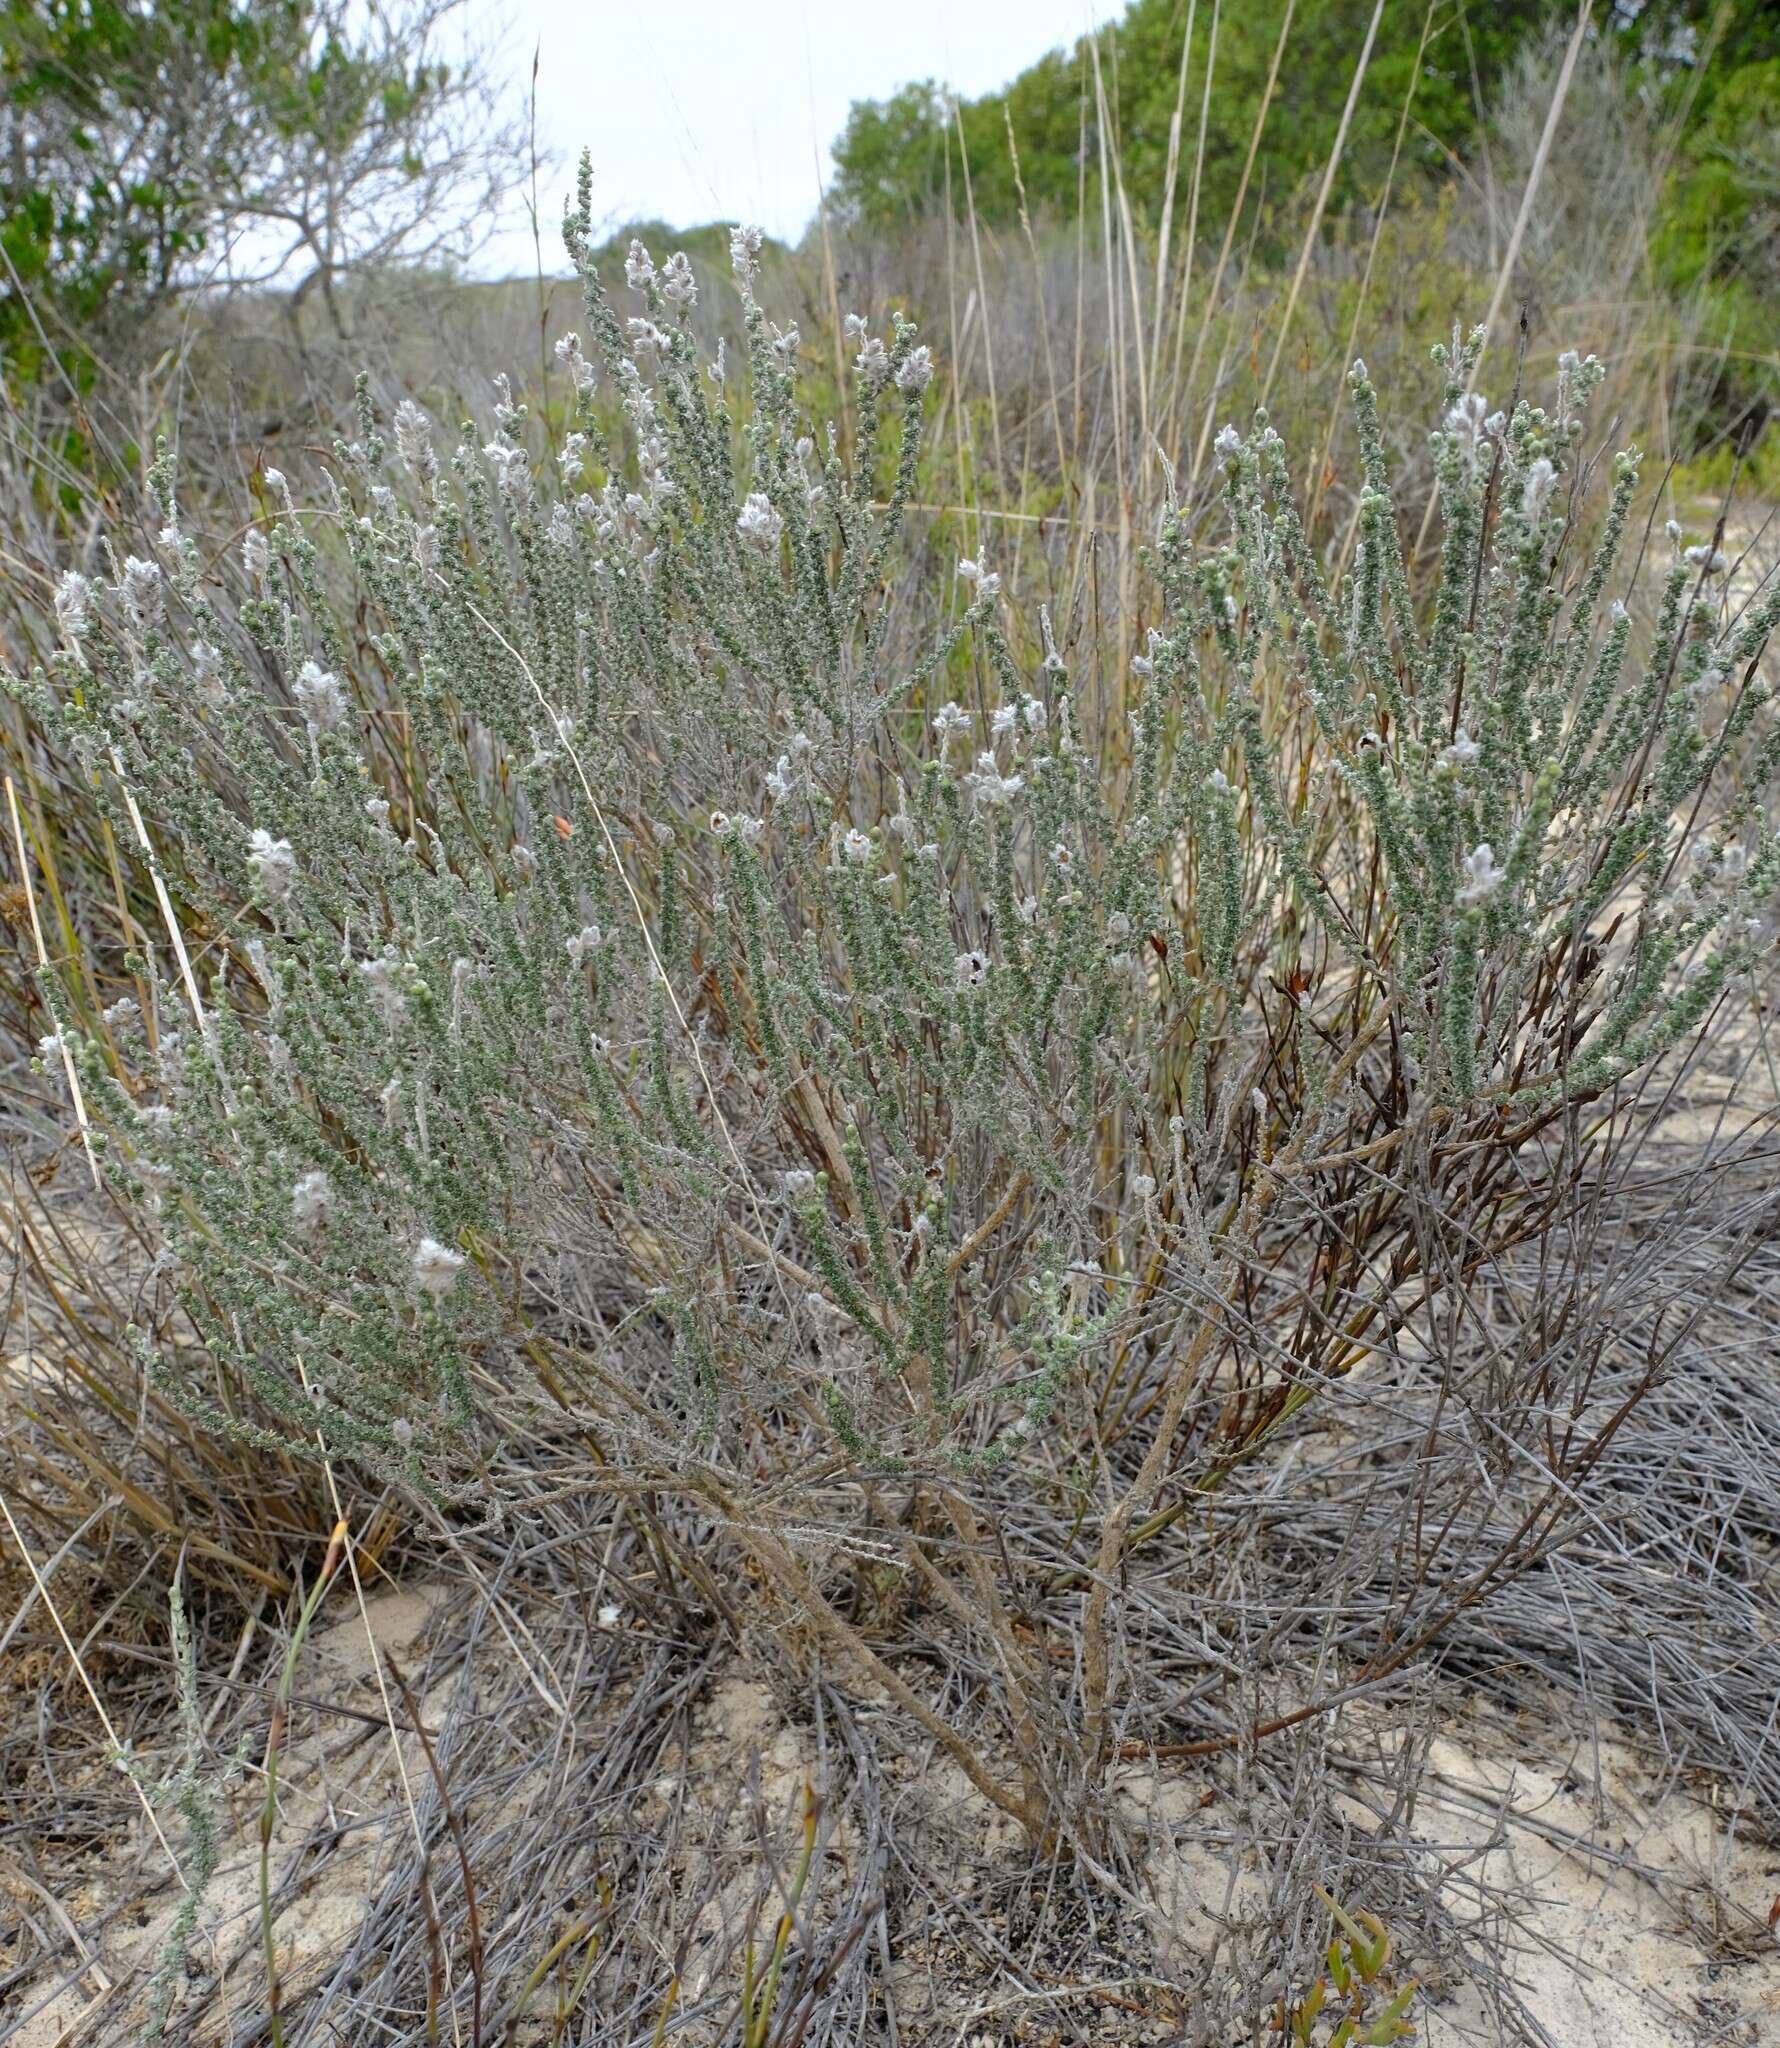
1358	1963
631	925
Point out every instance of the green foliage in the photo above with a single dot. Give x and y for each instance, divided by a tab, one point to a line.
140	138
816	953
891	157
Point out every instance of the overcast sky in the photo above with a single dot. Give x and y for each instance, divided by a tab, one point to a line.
699	110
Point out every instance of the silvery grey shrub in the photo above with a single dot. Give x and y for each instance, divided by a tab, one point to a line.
611	928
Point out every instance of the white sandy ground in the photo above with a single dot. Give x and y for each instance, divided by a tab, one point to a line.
1642	1915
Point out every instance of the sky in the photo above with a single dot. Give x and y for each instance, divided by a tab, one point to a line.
700	110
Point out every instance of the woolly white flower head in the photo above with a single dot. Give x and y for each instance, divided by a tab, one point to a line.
587	940
256	553
312	1202
1712	560
639	267
950	719
414	440
320	696
1228	444
1541	482
678	285
1482	877
971	970
143	596
385	991
74	605
760	524
744	247
872	363
573	359
857	847
987	784
436	1267
1462	752
916	372
273	863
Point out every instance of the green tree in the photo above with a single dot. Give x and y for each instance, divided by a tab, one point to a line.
147	146
891	158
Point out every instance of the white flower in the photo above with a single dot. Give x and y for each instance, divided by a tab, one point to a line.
1034	713
143	598
989	786
275	480
319	697
569	354
1712	560
1462	752
385	991
256	553
1118	928
413	439
950	719
1142	665
759	524
970	569
720	824
1228	444
426	547
610	1616
857	847
779	783
678	285
1257	1102
744	246
800	1184
312	1202
916	372
74	605
873	364
1028	909
1061	858
1143	1186
971	970
402	1430
1466	422
639	268
436	1268
587	940
273	863
1482	877
1540	483
512	470
1004	718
